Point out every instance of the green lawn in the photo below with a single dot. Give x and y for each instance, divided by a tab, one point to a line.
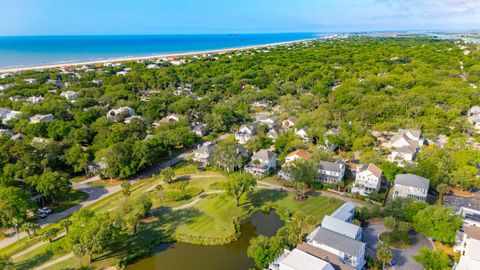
70	199
104	183
211	220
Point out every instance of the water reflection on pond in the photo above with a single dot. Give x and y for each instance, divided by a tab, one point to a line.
182	256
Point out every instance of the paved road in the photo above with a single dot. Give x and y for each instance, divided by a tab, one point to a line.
94	194
97	193
404	257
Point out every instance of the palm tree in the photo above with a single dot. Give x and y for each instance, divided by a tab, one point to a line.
29	228
384	253
126	188
441	188
65	223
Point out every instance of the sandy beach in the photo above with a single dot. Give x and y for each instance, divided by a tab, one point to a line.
149	57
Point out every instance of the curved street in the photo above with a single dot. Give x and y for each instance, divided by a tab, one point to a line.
403	258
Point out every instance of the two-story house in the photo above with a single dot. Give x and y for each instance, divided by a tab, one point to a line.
204	154
302	133
299	260
468	244
331	172
367	179
405	145
266	119
411	186
289	159
262	163
245	133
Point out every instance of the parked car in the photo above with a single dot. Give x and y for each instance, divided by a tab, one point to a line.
41	215
46	210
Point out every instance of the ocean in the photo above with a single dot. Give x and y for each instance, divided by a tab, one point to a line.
46	50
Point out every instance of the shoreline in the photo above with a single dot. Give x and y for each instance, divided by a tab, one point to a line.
136	58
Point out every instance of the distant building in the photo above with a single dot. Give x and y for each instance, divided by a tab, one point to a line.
411	186
405	146
56	82
31	81
4	87
122	111
6	132
266	119
289	123
200	129
245	133
302	133
6	75
7	114
35	99
262	163
273	133
473	116
70	95
42	118
367	179
331	172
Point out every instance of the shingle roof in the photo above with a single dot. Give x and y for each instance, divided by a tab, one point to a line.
301	153
206	149
338	241
331	166
264	154
412	180
373	169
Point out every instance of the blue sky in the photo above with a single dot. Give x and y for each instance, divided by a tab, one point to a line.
83	17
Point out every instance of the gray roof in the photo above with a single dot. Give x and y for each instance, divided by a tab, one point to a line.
264	154
331	166
342	227
338	241
412	180
344	212
208	149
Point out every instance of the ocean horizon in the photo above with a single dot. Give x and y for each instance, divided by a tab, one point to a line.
30	51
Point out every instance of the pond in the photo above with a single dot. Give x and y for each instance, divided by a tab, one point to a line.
183	256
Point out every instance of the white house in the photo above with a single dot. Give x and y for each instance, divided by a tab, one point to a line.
35	99
56	82
468	244
289	159
473	116
262	162
152	66
337	240
266	119
124	111
471	217
289	123
367	179
331	172
31	81
245	133
4	87
299	260
261	104
204	154
129	119
6	75
411	186
331	132
405	145
273	133
70	95
7	114
302	133
42	118
200	129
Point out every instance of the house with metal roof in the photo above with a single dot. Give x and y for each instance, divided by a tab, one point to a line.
342	227
411	186
349	251
299	260
346	212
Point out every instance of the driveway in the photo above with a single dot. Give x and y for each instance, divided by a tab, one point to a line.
404	257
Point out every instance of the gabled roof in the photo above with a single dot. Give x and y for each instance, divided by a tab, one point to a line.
264	155
345	211
373	169
342	227
207	149
337	241
331	166
300	260
301	153
412	180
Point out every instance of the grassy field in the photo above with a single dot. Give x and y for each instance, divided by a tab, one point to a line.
210	220
70	199
104	183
